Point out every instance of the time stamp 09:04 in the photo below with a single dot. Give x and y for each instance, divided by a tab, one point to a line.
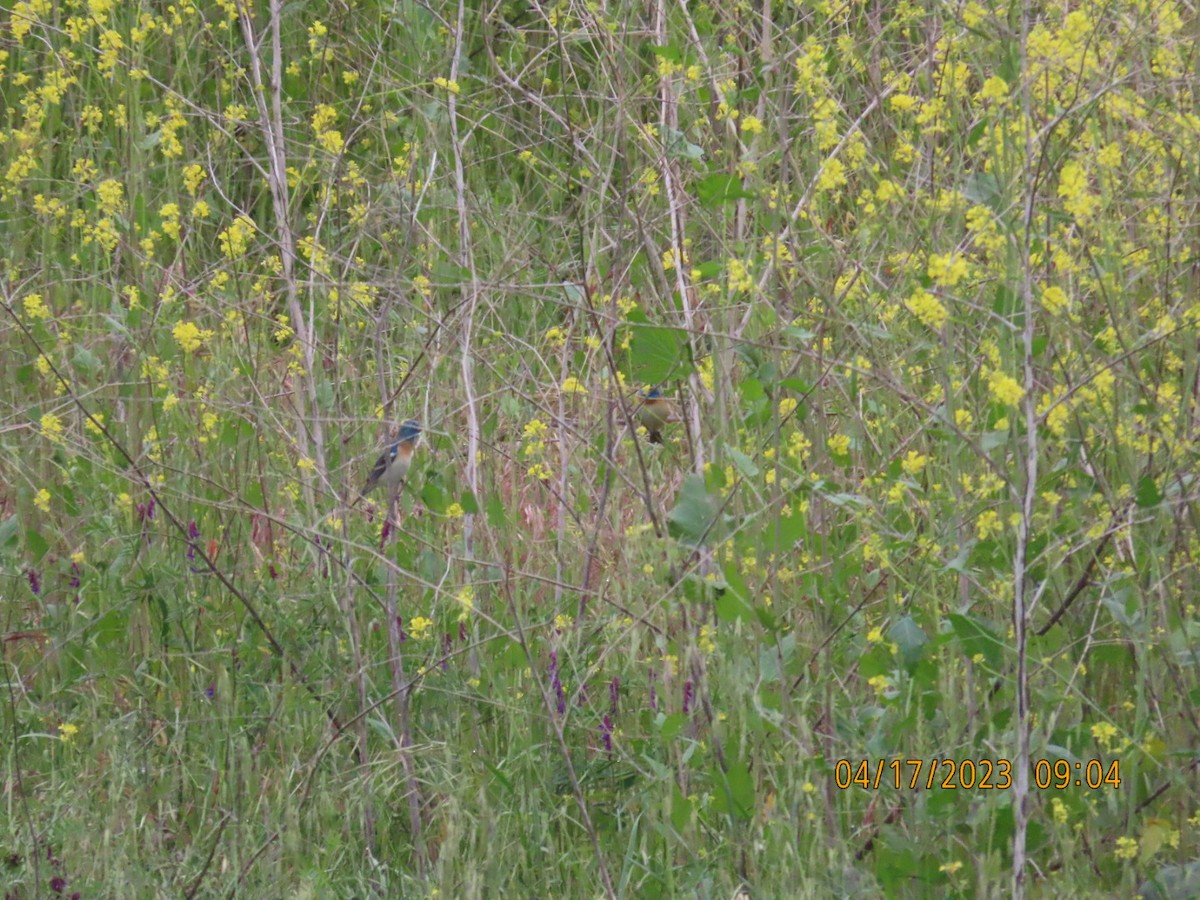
970	774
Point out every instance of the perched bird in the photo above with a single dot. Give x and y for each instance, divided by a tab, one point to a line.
653	412
393	463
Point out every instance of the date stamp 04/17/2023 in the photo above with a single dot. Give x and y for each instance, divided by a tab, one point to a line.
973	774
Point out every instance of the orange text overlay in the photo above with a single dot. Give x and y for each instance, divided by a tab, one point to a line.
973	774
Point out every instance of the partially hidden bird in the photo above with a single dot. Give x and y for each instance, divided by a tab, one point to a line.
653	412
393	463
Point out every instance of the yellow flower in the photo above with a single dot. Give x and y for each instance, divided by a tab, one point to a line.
455	511
190	337
928	310
447	85
838	444
913	463
111	194
948	270
1005	388
42	500
193	175
1104	733
1058	811
572	385
1054	299
879	683
1073	188
52	428
66	731
35	307
466	599
987	524
1127	848
418	627
995	88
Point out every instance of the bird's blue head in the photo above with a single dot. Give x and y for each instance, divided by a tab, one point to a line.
651	393
410	430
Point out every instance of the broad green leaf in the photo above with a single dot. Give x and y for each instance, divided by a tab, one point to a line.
719	189
657	353
689	522
977	639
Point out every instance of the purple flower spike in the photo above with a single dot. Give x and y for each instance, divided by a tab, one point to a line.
193	533
556	683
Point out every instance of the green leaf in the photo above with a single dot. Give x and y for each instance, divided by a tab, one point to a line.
496	513
689	522
908	636
738	797
743	463
8	531
433	495
668	52
1148	493
718	189
976	639
254	495
682	810
468	502
730	607
983	189
35	544
658	353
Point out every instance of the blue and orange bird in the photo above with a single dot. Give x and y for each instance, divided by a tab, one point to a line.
393	463
653	412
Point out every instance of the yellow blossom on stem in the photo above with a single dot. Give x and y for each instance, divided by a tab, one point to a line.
190	337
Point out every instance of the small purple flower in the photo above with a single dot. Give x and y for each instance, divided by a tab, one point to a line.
614	694
35	580
75	575
556	683
462	631
210	692
57	884
687	696
193	534
606	733
272	571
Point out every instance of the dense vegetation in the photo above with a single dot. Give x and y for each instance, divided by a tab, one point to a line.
918	282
